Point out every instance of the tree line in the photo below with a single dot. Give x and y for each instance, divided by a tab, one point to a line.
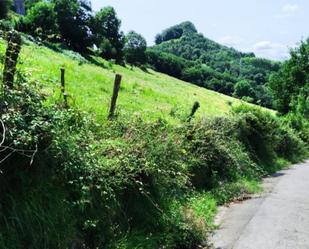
74	24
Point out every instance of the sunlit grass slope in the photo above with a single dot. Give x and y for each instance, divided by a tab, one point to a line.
149	94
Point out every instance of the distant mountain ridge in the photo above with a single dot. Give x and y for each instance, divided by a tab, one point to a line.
212	65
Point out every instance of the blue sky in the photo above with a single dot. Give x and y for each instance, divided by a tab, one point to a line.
266	27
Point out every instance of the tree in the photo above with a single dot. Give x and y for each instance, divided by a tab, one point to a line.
30	3
135	48
5	6
41	20
73	18
107	35
166	63
243	88
292	80
175	32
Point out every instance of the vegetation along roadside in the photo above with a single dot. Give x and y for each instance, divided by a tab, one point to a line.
152	176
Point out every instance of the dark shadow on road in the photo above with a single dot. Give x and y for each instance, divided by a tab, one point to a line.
278	174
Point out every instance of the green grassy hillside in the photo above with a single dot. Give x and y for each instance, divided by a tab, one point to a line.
149	94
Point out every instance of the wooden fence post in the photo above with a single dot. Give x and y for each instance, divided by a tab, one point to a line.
11	57
194	110
115	96
64	94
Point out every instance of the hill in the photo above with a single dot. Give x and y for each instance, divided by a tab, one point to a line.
69	181
150	94
214	66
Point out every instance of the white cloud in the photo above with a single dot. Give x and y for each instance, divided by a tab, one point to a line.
264	49
288	10
230	41
271	50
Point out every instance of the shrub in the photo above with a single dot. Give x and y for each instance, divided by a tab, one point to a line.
215	154
29	191
41	21
5	25
299	124
266	137
132	177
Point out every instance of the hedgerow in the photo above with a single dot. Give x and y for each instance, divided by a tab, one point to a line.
267	137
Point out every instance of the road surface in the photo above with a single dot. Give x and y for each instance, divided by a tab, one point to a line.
276	219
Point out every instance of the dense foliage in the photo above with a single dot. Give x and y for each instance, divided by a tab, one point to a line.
290	86
216	81
41	21
5	6
74	24
107	35
166	63
73	19
175	32
214	66
30	3
135	49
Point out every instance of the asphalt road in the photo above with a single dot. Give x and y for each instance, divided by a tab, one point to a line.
276	219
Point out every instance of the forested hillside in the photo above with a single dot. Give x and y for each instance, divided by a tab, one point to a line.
206	63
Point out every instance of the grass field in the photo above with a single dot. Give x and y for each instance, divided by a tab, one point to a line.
149	94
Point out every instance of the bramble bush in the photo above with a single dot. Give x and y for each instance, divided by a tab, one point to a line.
33	211
268	138
68	180
129	175
215	155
